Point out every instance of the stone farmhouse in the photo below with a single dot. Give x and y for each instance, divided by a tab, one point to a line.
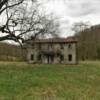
52	51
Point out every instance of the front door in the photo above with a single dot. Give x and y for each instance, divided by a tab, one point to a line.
50	59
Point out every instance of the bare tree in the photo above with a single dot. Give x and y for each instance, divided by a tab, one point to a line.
23	20
80	26
4	6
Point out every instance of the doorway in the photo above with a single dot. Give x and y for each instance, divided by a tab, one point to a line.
69	57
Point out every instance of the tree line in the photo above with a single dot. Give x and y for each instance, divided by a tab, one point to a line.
10	52
88	45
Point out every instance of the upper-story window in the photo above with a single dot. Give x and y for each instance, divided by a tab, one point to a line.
39	45
62	46
69	46
33	46
50	46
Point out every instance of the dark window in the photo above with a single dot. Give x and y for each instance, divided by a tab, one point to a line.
69	57
39	57
61	58
32	57
39	46
33	46
69	46
62	46
50	46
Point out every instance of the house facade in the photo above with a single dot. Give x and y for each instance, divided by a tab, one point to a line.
52	51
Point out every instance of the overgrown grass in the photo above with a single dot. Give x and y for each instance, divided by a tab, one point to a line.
21	81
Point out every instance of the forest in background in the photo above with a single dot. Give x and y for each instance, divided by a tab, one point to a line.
10	52
88	45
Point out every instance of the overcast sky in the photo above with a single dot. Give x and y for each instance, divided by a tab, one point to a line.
71	11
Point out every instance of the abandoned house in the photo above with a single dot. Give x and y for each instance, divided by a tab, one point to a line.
52	50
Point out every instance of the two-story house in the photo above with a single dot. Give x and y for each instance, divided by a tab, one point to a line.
52	50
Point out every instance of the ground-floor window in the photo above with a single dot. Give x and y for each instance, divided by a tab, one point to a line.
69	57
61	58
39	57
32	57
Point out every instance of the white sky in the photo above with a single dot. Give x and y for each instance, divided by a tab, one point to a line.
71	11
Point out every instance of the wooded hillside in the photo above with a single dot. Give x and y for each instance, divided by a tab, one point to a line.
11	52
89	43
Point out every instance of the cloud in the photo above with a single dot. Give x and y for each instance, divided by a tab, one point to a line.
77	8
71	11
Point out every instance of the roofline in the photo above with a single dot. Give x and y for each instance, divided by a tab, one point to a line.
55	42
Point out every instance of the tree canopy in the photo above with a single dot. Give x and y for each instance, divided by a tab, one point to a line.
23	20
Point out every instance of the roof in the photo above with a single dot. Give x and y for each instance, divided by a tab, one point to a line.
51	40
56	40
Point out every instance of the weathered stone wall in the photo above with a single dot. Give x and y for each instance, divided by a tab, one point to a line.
70	51
66	49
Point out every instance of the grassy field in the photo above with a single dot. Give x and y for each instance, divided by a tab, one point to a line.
20	81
